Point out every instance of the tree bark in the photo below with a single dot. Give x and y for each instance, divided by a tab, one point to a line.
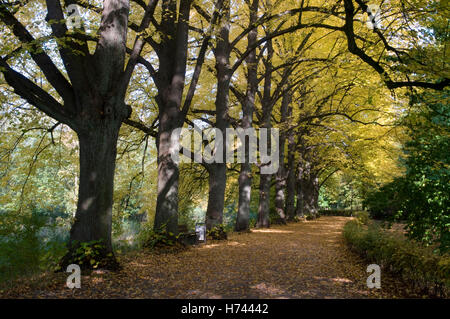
166	217
280	178
217	171
245	189
264	201
307	190
266	122
100	111
245	176
299	210
216	197
290	182
93	218
170	80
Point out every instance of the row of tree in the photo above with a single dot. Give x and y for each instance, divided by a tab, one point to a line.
309	68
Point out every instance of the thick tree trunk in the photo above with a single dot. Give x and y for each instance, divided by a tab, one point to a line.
170	77
280	186
302	195
245	189
308	202
308	191
290	194
266	121
280	178
290	183
218	171
245	177
166	217
315	195
264	202
93	218
216	198
299	211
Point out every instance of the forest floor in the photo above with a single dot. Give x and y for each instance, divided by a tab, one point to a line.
301	260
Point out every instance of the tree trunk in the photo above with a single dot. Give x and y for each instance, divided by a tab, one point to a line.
93	218
218	171
315	200
166	217
245	177
280	178
266	122
290	194
280	186
264	202
245	188
290	183
170	78
216	197
309	191
299	210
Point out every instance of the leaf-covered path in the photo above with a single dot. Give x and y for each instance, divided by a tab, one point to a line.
300	260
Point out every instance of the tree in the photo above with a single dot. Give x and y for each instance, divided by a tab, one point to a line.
90	103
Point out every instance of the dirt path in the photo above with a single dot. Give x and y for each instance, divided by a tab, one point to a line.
302	260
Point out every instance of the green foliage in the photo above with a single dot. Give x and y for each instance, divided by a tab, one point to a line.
362	217
90	254
23	248
422	196
150	238
386	202
218	232
416	264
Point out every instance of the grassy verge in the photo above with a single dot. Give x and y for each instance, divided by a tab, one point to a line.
427	272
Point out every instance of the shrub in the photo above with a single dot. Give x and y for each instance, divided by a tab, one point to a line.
362	217
386	202
90	254
218	233
28	243
425	270
160	240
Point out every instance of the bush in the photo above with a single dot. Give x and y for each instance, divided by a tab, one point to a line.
362	217
28	243
418	265
160	240
386	202
153	239
218	233
90	254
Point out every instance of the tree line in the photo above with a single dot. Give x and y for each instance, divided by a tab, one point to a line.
309	68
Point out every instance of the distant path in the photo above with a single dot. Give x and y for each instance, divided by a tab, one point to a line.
301	260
